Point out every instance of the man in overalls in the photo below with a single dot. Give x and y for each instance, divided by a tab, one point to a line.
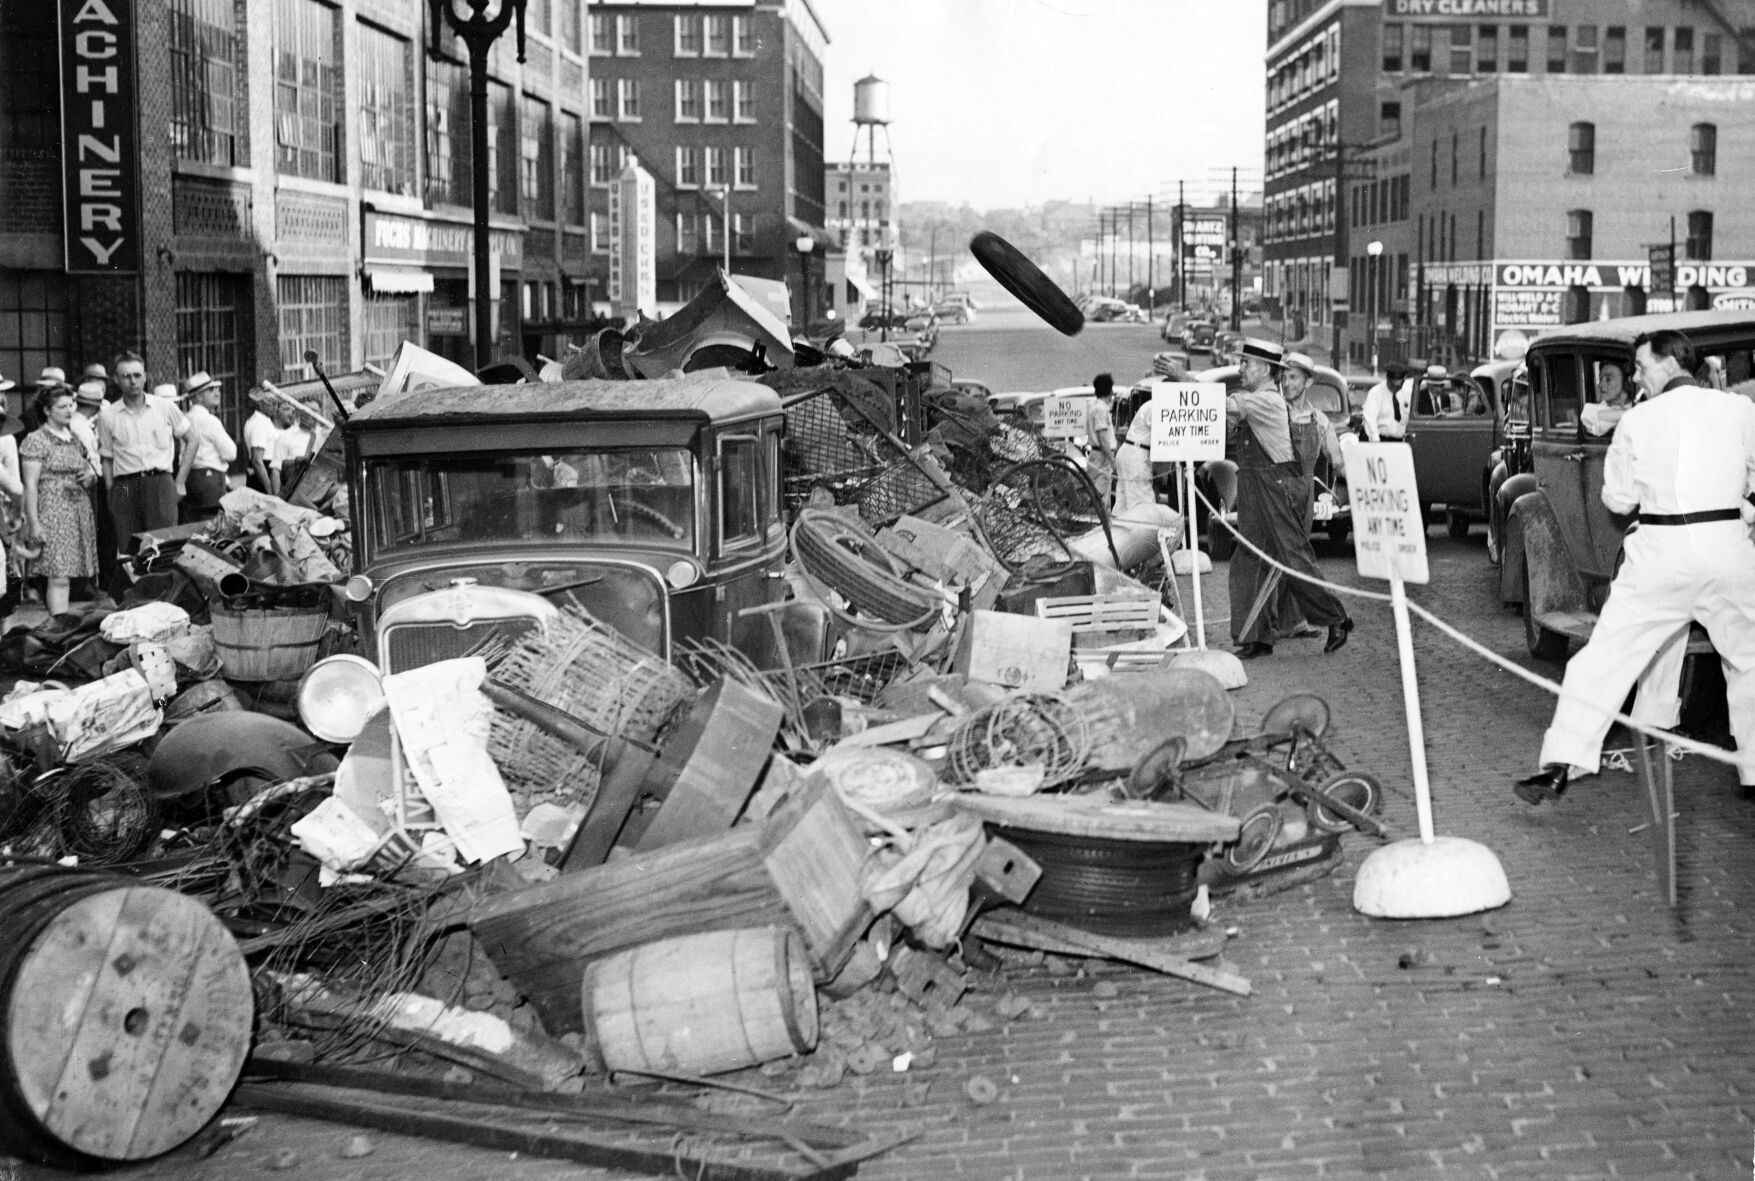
1276	461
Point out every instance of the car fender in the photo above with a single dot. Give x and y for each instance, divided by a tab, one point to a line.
1533	541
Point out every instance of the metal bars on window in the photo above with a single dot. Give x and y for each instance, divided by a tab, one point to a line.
307	90
313	316
386	115
205	82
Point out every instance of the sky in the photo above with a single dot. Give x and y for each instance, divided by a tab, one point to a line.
1014	103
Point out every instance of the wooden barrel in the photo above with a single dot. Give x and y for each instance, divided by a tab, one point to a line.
701	1004
125	1017
267	643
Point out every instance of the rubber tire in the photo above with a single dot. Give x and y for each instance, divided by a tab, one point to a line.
1362	786
1456	524
1260	828
1025	280
1542	643
1157	770
1305	709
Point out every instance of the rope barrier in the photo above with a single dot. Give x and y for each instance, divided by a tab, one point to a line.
1716	754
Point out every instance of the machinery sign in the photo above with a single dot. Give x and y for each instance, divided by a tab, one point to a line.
1188	421
99	150
1388	536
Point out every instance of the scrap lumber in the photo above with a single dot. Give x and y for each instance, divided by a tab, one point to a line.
711	762
1100	816
1025	930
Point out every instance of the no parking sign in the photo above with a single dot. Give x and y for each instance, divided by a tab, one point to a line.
1389	538
1188	421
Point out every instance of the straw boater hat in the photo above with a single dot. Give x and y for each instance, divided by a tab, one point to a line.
167	392
1300	362
1262	350
6	383
90	392
197	382
1436	373
52	375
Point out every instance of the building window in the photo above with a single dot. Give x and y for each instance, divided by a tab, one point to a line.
718	35
215	332
1487	49
628	94
602	98
536	175
606	162
1420	48
717	174
1455	142
313	318
1517	50
35	317
572	169
688	35
206	86
1434	164
1578	233
307	90
503	160
743	35
627	35
743	241
1682	56
743	100
1556	49
388	321
1392	48
538	19
572	27
599	234
718	100
746	168
1615	50
386	112
1654	49
1711	54
1703	149
448	174
1483	166
1584	50
1462	51
688	100
1581	149
1699	245
602	34
687	235
688	168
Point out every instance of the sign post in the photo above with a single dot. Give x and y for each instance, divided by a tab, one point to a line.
1431	877
1188	427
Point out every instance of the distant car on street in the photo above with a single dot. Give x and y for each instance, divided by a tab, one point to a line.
950	312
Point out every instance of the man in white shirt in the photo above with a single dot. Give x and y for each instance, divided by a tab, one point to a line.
137	440
292	450
1684	461
1385	413
1100	436
259	432
208	451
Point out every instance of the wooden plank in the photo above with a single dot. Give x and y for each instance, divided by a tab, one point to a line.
1200	943
903	730
1097	613
710	763
1016	927
1100	816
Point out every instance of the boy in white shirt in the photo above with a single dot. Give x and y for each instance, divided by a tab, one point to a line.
259	433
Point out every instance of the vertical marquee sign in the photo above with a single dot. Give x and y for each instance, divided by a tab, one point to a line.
100	148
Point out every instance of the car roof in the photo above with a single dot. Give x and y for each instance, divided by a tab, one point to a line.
1625	329
699	398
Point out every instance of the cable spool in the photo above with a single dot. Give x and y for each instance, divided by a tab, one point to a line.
1126	888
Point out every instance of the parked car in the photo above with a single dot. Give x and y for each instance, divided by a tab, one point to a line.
1453	430
953	313
1197	337
1561	543
1225	346
1174	323
880	318
1171	361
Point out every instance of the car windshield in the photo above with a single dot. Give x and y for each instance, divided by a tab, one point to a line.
1326	398
631	495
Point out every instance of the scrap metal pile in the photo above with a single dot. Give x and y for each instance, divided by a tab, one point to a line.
556	859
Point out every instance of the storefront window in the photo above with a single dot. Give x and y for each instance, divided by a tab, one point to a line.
313	317
386	116
214	332
34	323
206	87
307	90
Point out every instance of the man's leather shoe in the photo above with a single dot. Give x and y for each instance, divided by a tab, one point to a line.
1251	651
1547	784
1337	635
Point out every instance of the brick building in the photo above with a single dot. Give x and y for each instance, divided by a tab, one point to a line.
1453	140
300	181
721	102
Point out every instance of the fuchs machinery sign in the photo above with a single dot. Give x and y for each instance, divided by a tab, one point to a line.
100	150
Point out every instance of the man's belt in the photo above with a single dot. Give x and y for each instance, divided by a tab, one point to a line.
157	471
1710	515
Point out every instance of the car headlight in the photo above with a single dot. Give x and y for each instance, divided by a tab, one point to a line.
337	695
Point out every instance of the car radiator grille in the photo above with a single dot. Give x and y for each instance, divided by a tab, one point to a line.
412	645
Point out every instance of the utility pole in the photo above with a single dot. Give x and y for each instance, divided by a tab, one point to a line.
1130	250
1100	248
1114	241
1236	261
1181	262
932	265
1151	265
1341	206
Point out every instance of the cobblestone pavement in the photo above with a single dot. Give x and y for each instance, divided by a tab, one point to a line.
1586	1030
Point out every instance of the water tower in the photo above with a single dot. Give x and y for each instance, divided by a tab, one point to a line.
871	110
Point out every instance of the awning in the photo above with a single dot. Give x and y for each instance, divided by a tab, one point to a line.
398	281
866	290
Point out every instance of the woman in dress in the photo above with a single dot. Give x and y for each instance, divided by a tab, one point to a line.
57	510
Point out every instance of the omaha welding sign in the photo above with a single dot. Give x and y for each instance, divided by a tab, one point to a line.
100	150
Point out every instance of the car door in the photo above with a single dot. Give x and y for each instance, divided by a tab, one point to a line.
1450	435
1556	455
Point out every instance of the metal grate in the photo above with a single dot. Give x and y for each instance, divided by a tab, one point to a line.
415	645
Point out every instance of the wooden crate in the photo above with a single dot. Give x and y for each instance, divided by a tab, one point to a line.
1101	613
800	867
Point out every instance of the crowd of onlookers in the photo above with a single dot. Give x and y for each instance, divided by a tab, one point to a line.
87	464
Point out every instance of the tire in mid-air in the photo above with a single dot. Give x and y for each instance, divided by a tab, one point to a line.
1025	279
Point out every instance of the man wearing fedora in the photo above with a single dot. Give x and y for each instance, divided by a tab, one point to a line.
1273	495
208	451
137	445
90	399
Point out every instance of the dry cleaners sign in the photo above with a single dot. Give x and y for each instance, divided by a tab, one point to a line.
100	151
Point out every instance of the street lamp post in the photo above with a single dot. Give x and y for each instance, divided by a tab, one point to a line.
1375	250
883	255
805	244
479	23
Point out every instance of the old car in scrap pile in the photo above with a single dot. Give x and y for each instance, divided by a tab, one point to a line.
654	505
1562	545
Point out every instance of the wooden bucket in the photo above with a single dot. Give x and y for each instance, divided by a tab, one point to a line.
701	1004
268	643
125	1017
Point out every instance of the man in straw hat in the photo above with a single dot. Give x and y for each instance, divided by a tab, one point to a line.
1273	496
208	451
